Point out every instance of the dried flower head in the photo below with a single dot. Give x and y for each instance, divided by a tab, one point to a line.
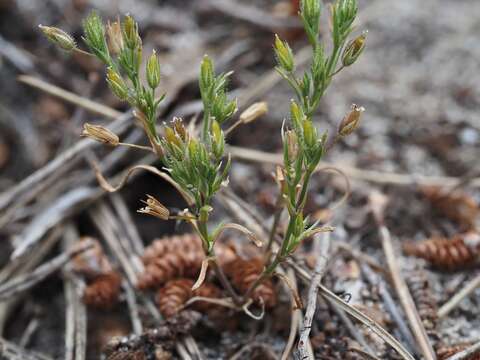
58	37
100	133
253	112
154	208
351	121
114	37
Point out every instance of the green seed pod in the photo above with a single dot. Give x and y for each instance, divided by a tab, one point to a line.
116	84
309	133
58	37
130	32
284	54
153	71
354	49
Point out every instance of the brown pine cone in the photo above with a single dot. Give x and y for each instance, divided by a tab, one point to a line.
457	206
176	293
175	243
243	274
450	254
170	266
103	291
177	256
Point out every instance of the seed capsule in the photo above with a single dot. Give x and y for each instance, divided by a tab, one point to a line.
253	112
117	85
351	121
100	133
153	71
114	37
58	37
284	54
154	208
354	49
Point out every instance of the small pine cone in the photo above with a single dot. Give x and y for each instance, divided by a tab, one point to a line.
103	292
170	266
457	206
425	301
244	273
176	293
177	256
177	243
456	253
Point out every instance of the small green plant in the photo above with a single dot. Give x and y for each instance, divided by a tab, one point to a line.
197	163
303	147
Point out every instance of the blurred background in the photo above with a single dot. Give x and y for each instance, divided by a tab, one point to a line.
418	79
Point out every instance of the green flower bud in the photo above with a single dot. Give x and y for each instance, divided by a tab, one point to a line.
153	70
354	49
207	76
116	84
58	37
310	15
284	54
94	36
297	114
309	133
130	32
204	213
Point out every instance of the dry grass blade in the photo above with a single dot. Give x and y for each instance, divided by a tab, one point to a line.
446	308
373	176
70	97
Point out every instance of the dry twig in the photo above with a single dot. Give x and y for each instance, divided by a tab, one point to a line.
459	296
378	203
320	267
467	353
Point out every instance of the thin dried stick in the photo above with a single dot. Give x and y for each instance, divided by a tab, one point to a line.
467	353
390	304
294	318
118	126
377	204
24	282
130	227
133	308
32	326
354	312
459	296
356	334
323	248
12	351
70	97
373	176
